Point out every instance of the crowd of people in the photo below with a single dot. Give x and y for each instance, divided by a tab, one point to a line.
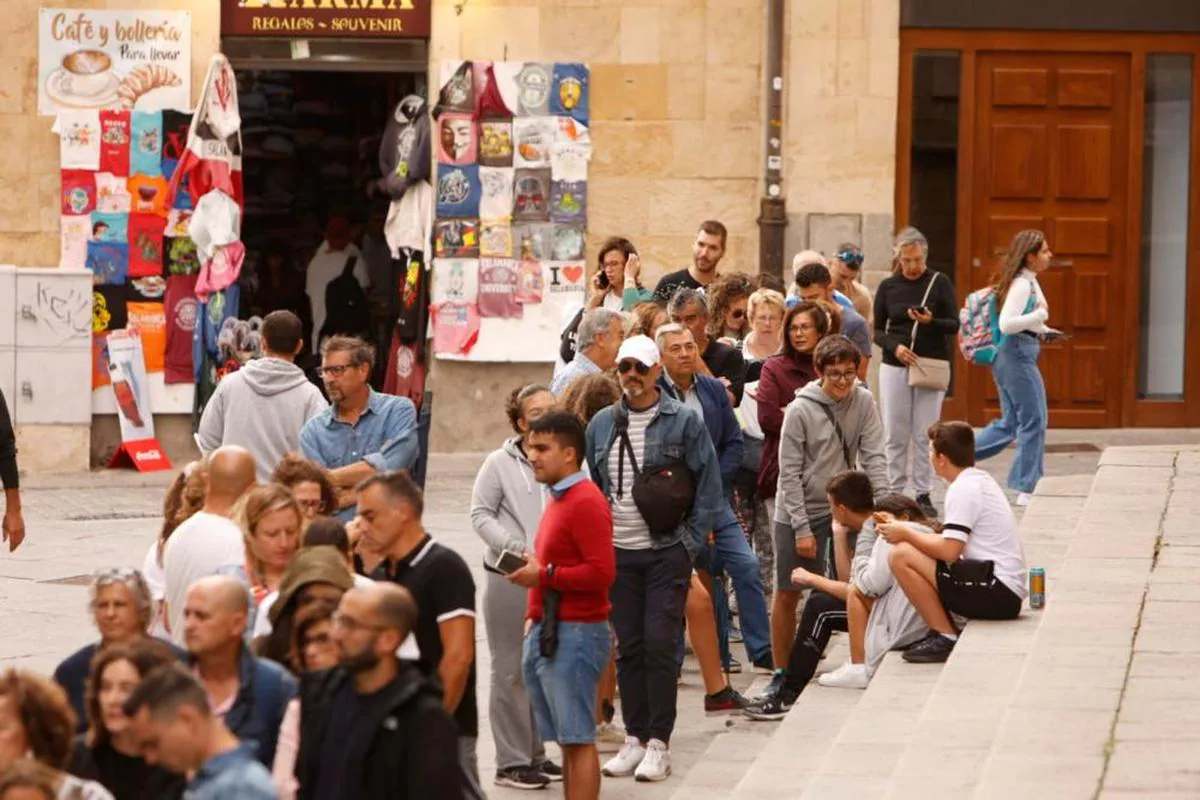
706	465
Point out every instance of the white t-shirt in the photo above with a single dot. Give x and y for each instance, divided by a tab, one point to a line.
156	582
630	531
978	514
206	544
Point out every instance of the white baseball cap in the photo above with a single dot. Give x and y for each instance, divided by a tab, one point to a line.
640	348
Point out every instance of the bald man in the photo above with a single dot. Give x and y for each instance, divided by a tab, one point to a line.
208	543
249	693
405	744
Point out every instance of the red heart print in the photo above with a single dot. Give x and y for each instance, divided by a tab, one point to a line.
573	274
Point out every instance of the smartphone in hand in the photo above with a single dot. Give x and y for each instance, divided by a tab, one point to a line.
510	562
1055	336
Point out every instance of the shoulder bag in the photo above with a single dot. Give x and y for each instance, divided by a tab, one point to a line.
663	496
928	373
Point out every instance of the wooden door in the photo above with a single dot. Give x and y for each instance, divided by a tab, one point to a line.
1052	152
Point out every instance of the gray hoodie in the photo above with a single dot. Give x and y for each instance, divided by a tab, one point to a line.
507	502
810	452
261	407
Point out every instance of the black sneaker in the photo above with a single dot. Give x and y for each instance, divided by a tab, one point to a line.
728	699
933	649
734	667
773	687
522	778
765	665
927	507
550	770
772	709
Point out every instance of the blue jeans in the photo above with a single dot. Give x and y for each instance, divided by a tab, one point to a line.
1022	412
730	553
562	690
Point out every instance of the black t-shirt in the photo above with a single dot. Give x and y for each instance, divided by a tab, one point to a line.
126	777
344	734
726	362
441	583
895	295
672	282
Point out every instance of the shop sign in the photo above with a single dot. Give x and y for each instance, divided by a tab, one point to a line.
113	59
314	19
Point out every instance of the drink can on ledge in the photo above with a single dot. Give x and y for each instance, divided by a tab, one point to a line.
1037	587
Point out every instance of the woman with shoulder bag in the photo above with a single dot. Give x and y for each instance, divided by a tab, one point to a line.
915	315
1023	312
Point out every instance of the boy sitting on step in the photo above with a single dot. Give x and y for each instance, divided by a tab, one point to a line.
976	566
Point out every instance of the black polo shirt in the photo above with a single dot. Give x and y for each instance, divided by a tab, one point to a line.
441	583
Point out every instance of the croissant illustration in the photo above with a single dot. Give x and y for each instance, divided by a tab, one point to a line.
144	79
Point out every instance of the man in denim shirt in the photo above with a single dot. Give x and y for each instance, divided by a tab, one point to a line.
363	432
653	571
176	728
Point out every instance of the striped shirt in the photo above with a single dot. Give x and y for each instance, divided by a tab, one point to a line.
630	531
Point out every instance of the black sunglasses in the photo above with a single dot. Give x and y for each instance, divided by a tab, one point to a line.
629	364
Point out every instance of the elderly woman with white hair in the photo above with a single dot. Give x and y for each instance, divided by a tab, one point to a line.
916	313
121	607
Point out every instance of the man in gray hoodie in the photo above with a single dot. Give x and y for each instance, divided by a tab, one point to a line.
831	426
263	406
506	508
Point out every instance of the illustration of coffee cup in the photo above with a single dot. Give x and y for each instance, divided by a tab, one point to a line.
86	72
146	193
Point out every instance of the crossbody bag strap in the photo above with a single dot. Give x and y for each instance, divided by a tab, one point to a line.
837	429
625	446
924	304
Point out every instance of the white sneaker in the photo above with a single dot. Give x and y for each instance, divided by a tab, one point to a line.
610	737
656	766
847	676
1023	499
627	760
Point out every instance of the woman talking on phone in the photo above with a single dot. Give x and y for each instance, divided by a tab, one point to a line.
617	284
915	314
1023	313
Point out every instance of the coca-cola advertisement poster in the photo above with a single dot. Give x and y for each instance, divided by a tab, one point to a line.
127	371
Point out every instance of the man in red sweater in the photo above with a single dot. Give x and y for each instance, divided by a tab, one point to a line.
569	577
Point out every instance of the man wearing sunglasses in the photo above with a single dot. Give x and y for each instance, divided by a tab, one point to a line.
846	269
363	433
650	434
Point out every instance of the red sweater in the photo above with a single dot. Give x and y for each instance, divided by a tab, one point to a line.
575	535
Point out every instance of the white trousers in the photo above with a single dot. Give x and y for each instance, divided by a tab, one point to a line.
907	415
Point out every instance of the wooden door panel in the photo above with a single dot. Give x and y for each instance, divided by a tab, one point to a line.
1051	133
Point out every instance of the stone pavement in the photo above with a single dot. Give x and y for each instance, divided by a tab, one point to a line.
78	523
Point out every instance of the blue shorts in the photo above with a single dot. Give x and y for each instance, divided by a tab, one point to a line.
562	690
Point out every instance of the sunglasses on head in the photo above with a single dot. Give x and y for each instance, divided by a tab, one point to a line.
631	363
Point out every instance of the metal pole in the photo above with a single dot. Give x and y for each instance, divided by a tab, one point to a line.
772	218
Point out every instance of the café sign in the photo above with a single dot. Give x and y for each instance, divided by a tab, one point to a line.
314	19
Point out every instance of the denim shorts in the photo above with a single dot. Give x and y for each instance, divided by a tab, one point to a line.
562	690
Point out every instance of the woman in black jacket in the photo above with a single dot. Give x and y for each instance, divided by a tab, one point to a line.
915	315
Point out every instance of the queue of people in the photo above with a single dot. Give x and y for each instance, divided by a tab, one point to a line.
296	632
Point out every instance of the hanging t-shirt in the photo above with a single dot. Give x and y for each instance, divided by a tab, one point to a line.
495	239
180	256
148	194
456	238
78	139
530	282
145	149
456	139
109	308
110	227
112	193
151	323
496	193
75	233
458	88
533	141
489	100
533	90
145	245
568	242
78	192
498	288
531	195
568	201
455	328
181	310
175	126
533	240
496	143
177	222
108	262
413	312
569	93
149	289
114	142
458	191
455	280
405	376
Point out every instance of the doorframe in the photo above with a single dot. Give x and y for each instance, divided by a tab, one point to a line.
1134	412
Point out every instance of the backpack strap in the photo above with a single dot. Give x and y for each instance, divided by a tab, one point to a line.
348	270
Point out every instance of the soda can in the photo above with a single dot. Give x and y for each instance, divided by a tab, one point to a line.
1037	587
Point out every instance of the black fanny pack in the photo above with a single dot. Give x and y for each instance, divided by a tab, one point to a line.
663	496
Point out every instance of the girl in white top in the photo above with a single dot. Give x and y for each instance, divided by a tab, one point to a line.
1022	321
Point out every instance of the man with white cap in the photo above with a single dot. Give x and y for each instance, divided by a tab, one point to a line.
652	457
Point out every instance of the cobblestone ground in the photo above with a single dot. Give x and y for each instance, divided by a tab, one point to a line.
79	523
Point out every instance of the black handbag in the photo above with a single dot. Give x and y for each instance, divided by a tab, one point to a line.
663	496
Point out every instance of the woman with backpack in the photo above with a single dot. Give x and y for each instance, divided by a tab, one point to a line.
915	315
1022	312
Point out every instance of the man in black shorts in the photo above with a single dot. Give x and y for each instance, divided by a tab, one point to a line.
975	567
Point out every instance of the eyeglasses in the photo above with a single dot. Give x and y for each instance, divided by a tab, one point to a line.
341	620
320	638
738	313
839	377
803	327
631	363
310	505
334	370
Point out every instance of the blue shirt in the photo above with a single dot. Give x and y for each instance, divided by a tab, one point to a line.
385	436
234	775
580	365
560	488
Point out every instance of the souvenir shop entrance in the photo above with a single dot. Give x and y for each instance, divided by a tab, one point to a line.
312	124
